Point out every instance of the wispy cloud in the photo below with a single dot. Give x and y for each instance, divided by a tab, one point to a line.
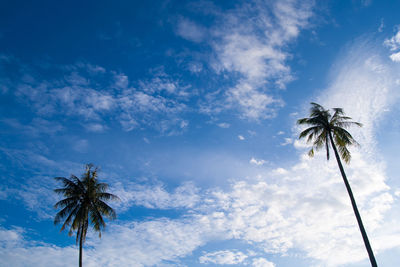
191	31
287	141
261	262
394	44
223	257
36	127
185	196
224	125
258	162
95	95
253	53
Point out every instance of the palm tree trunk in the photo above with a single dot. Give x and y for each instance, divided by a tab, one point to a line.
80	248
353	203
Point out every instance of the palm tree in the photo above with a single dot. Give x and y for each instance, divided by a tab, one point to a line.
84	203
330	129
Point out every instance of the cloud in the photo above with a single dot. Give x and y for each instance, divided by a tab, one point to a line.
163	83
146	243
394	45
395	57
224	125
223	257
95	127
280	171
96	96
195	67
15	250
191	31
261	262
394	42
156	197
253	104
36	127
253	51
382	25
365	86
241	137
71	99
121	81
287	142
258	162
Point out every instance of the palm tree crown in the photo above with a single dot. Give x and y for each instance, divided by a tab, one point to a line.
323	124
84	204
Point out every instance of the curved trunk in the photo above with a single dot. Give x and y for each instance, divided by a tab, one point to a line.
80	248
353	203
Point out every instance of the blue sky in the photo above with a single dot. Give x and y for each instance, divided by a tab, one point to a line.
190	108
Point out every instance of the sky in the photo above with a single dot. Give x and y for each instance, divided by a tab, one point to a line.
189	109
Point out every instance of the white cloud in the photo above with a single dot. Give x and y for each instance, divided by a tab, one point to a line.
261	262
195	67
365	87
395	57
381	26
70	99
394	45
95	68
157	103
394	42
121	80
280	171
241	137
147	243
16	251
287	142
223	257
254	50
257	162
191	31
224	125
253	104
36	127
161	82
95	127
156	197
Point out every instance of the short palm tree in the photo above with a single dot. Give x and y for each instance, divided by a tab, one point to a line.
84	204
327	129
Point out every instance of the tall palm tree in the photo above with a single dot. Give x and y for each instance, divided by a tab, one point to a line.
330	129
84	204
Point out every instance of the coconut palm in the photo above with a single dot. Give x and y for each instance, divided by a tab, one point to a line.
327	129
84	204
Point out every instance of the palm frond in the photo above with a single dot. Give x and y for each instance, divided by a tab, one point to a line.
311	153
106	210
315	130
68	220
107	196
